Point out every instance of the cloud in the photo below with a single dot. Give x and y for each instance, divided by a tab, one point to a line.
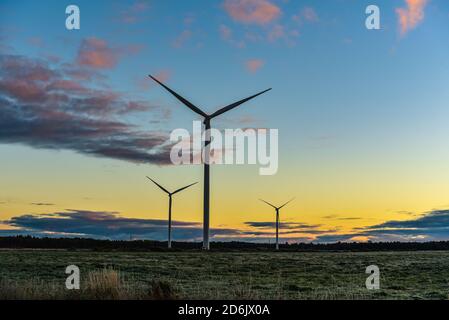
252	11
96	53
42	204
433	226
182	38
411	16
336	217
438	219
307	14
227	35
282	225
105	225
47	107
277	32
134	13
110	225
253	65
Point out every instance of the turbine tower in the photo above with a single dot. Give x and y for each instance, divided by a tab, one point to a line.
277	218
170	194
207	126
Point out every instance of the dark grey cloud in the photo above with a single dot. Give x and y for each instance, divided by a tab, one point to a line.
434	220
42	204
110	225
283	225
337	217
432	226
47	106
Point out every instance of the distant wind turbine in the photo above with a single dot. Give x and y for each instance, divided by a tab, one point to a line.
170	194
207	119
277	218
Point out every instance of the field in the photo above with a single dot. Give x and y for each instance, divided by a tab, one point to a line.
40	274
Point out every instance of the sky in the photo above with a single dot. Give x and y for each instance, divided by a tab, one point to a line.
362	118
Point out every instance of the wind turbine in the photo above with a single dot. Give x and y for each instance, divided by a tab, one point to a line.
170	194
207	126
277	218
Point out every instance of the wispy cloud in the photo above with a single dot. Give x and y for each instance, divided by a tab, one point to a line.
283	225
182	38
410	16
134	13
307	14
227	35
252	11
96	53
254	65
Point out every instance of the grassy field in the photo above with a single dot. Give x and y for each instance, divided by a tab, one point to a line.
223	275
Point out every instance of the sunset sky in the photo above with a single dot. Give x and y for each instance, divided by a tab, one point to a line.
362	117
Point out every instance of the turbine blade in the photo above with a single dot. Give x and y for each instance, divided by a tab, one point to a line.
162	188
235	104
287	202
189	105
180	189
268	203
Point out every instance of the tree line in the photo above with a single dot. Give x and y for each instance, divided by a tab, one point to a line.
29	242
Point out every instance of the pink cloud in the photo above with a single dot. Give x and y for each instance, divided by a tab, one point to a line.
253	65
133	13
67	85
23	90
411	16
227	35
182	38
252	11
276	33
96	53
308	14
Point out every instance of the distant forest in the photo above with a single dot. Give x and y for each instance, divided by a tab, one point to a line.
28	242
